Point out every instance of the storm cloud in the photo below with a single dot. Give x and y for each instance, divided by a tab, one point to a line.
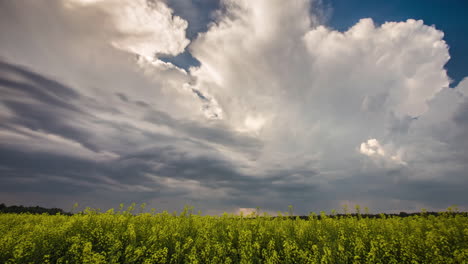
276	108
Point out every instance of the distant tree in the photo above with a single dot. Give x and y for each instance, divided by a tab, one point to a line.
31	209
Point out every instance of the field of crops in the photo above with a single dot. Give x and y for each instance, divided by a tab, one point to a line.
126	237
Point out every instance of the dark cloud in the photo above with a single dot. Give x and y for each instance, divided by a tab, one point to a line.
35	171
41	87
186	159
398	185
53	109
56	109
270	119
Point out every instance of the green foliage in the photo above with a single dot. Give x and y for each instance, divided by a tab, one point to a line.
125	237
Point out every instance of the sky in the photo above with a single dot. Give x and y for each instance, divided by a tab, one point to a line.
234	104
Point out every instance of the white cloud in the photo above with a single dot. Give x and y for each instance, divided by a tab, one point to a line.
147	28
304	95
323	91
372	148
401	61
253	123
383	155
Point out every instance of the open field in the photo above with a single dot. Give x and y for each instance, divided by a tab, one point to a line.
125	237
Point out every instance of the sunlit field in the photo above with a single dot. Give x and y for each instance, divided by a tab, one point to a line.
135	236
243	106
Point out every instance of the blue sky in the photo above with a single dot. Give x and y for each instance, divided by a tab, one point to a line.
233	105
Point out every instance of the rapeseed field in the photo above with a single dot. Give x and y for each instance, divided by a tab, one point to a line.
127	237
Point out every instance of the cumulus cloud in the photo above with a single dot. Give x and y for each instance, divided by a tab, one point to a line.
321	93
303	82
372	148
375	150
281	110
146	28
407	58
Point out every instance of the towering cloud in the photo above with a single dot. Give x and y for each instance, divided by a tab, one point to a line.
282	109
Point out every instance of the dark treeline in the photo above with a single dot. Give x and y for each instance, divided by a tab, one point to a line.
382	215
18	209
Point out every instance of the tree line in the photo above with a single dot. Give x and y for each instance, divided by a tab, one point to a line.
18	209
